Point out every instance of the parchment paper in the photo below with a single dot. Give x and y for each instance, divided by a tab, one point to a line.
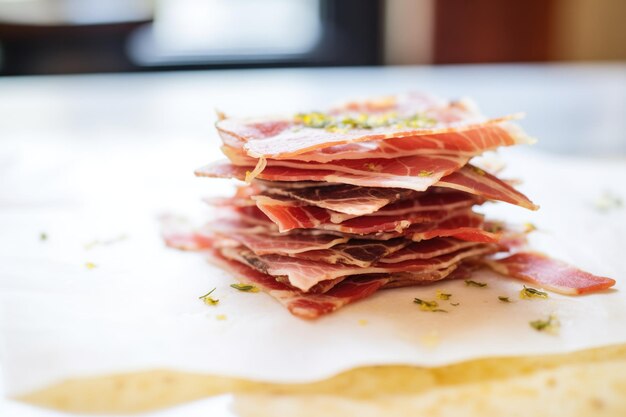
138	308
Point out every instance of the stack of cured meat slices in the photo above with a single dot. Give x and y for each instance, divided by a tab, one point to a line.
373	194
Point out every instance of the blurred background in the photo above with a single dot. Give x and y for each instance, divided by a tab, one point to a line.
93	36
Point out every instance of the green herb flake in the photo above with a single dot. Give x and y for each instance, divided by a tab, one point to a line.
207	299
341	124
90	265
314	119
424	173
245	287
43	236
550	325
432	306
504	299
443	296
419	121
528	293
471	283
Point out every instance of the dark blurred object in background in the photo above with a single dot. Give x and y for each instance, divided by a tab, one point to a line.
177	34
75	36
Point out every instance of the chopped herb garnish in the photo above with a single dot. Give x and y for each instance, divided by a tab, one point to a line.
471	283
331	123
419	121
245	287
424	173
43	236
504	299
443	295
90	265
550	325
429	306
208	299
314	119
527	293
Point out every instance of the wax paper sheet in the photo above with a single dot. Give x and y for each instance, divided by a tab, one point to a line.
87	287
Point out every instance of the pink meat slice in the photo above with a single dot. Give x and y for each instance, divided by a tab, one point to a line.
300	304
469	142
419	202
469	179
286	137
304	274
550	274
424	169
341	198
307	217
464	225
476	181
427	249
362	253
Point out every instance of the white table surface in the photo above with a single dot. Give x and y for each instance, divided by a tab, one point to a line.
50	123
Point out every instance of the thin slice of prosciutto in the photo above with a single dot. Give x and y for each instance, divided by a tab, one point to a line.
425	170
361	253
548	273
307	217
427	249
300	304
417	202
469	143
304	274
282	138
342	198
469	179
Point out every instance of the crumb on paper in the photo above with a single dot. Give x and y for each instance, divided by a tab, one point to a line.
362	322
90	265
208	300
43	236
221	317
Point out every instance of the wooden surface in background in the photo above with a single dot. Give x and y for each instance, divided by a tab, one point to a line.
492	31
